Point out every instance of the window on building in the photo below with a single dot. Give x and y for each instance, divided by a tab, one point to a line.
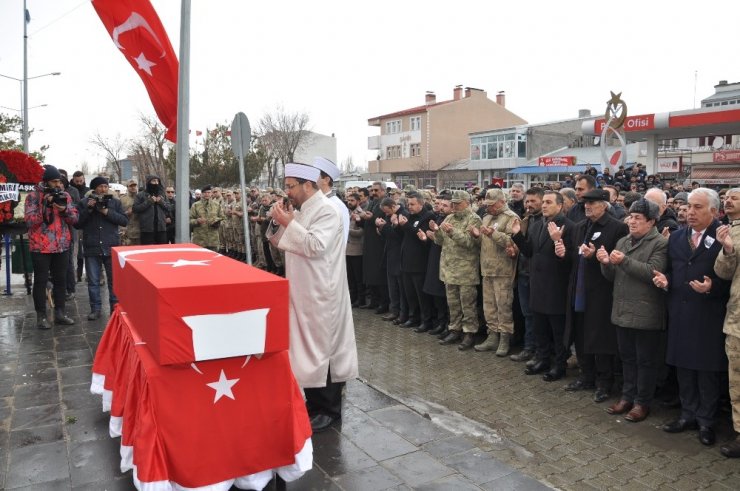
415	149
403	181
510	145
426	179
393	127
393	152
415	123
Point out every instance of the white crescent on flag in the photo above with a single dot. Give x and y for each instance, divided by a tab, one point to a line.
135	20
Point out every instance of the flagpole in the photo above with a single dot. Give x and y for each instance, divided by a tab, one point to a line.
182	163
25	78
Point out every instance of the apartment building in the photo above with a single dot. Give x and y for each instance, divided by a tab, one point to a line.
415	145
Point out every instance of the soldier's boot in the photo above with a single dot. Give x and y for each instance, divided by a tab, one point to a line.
467	342
503	345
490	344
451	338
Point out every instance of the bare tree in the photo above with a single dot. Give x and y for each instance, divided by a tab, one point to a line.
282	133
150	149
113	149
348	165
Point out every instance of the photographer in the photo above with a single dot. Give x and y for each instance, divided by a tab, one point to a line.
48	213
100	215
152	210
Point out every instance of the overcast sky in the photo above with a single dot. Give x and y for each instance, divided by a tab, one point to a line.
344	62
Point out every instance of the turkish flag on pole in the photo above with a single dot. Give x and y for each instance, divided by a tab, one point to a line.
137	31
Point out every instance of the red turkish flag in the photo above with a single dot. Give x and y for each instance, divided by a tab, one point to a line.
203	423
137	31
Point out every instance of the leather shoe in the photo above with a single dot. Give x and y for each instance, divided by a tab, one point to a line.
679	426
399	320
443	334
467	342
731	450
637	414
451	338
390	316
706	436
381	310
579	384
538	367
601	395
369	306
94	315
619	407
62	319
553	375
423	328
411	323
438	330
523	355
321	422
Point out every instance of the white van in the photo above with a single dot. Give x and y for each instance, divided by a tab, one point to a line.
365	184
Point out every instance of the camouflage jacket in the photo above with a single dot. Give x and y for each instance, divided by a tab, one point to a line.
726	267
132	229
493	258
206	234
459	262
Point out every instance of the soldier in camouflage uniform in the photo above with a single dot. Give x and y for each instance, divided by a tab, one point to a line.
205	218
225	235
726	267
278	255
262	221
498	269
131	232
237	226
458	269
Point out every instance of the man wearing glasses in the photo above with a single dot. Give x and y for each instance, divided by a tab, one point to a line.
131	233
170	220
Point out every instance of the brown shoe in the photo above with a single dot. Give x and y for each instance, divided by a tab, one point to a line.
620	407
467	342
637	414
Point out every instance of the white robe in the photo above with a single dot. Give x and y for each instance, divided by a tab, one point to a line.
322	332
343	214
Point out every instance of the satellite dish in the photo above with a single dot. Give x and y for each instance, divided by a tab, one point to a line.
718	142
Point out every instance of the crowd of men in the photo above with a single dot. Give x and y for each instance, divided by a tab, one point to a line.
636	283
632	274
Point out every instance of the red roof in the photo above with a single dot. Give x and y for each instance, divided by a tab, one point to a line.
417	109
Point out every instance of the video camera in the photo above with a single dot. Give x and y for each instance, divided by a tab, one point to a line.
59	196
101	200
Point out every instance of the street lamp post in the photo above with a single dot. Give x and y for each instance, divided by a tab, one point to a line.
24	100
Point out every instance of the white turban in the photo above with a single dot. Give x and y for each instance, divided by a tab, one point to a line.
327	166
302	171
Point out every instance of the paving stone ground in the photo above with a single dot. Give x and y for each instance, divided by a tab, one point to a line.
562	439
54	435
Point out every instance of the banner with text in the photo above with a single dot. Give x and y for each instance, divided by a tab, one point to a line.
8	191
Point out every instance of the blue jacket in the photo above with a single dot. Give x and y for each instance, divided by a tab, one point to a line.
100	232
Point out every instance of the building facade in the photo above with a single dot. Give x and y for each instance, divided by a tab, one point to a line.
418	145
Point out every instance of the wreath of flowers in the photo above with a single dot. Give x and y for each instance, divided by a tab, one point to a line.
24	168
17	167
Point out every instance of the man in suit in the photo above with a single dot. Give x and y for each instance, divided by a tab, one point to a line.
548	285
588	319
373	268
697	300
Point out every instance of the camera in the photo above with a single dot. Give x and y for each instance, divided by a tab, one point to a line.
101	201
58	196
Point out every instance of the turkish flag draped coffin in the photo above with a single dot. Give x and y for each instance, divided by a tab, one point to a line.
215	423
192	304
138	33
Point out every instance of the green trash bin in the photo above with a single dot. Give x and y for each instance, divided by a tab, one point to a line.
19	255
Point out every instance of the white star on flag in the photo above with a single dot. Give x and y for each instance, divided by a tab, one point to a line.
186	262
144	64
223	387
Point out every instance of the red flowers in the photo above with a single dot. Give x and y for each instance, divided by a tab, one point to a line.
20	167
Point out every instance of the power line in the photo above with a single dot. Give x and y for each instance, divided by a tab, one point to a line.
58	18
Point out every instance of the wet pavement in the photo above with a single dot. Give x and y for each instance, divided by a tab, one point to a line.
54	435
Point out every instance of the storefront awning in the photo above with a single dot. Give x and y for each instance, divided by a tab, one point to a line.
552	169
